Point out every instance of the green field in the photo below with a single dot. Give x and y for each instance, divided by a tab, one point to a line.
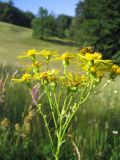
95	129
14	40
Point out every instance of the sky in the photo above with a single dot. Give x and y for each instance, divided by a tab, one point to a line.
57	6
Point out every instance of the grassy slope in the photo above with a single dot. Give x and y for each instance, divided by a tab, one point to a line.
14	40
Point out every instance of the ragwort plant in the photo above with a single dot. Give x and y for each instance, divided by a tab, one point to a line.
65	90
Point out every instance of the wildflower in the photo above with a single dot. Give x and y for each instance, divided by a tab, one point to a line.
71	81
116	69
94	56
47	54
66	57
17	127
31	114
26	77
46	75
5	123
85	50
93	69
29	117
99	74
29	53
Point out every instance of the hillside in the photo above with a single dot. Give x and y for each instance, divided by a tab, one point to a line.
14	40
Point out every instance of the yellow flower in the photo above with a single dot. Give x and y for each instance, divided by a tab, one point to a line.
46	75
47	53
85	50
116	69
71	80
35	64
43	75
94	56
93	69
26	77
99	74
5	123
66	57
29	53
34	67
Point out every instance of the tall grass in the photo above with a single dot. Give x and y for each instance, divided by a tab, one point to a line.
93	135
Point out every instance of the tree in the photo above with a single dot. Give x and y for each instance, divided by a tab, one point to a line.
63	24
11	14
97	23
42	13
44	25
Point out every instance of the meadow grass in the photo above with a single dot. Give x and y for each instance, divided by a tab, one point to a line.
95	131
15	40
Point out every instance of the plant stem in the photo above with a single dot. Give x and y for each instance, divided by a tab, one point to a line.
45	121
58	143
51	106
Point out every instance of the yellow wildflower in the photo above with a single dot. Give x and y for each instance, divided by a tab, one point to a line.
29	53
47	53
71	80
26	77
93	69
5	123
66	57
85	50
116	69
99	74
46	75
94	56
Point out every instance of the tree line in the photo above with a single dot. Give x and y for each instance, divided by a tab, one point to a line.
44	24
96	23
11	14
47	24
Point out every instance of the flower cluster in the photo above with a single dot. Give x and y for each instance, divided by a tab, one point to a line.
90	65
66	89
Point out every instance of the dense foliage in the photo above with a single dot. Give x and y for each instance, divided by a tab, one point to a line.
63	25
97	23
11	14
46	25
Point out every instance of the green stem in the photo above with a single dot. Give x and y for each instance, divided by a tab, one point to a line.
51	106
71	98
65	69
59	140
57	105
63	108
68	120
47	63
45	121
